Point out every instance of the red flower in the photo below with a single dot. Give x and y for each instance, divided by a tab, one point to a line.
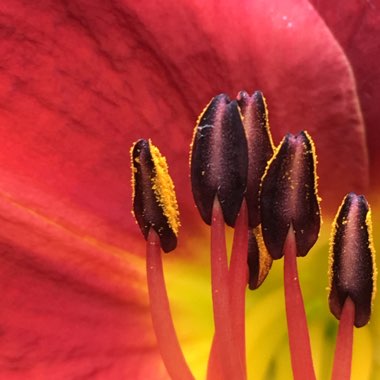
79	82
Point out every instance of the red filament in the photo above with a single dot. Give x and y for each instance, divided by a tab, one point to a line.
167	340
299	340
237	278
225	339
344	343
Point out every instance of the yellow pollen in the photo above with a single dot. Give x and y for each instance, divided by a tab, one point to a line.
315	162
334	230
368	222
267	126
196	129
265	259
134	170
163	188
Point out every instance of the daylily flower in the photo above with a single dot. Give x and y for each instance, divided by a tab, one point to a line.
80	81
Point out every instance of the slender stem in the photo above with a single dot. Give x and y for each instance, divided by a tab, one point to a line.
344	342
214	369
225	342
299	340
238	278
237	285
167	340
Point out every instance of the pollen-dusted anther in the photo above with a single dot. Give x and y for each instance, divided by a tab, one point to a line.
154	201
259	259
352	270
260	147
289	196
219	159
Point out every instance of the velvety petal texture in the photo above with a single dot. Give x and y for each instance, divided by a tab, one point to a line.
80	81
356	25
72	306
80	88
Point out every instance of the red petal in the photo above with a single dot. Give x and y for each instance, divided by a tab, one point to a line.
71	306
356	26
81	81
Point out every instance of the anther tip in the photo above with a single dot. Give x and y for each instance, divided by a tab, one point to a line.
352	269
289	196
219	159
154	201
260	147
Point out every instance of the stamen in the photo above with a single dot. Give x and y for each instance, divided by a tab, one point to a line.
352	268
299	340
225	339
352	275
155	209
219	164
290	217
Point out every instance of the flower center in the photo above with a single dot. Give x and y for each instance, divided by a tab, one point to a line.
269	196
